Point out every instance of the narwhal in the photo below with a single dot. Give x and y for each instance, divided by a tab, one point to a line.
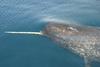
81	40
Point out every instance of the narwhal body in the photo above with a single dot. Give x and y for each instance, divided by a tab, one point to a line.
81	40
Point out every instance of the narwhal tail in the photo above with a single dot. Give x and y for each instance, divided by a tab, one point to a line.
32	33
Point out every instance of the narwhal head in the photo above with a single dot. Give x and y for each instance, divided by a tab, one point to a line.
54	30
59	29
60	32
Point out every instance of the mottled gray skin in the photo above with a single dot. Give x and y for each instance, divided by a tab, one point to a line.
82	40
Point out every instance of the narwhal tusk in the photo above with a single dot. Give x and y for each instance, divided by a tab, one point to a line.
32	33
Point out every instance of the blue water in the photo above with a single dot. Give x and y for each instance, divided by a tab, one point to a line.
31	15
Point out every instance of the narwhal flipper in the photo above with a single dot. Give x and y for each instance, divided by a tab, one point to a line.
87	61
32	33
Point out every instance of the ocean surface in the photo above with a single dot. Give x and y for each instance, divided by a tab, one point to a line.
32	15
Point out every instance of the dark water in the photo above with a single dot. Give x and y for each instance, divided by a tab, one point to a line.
31	15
